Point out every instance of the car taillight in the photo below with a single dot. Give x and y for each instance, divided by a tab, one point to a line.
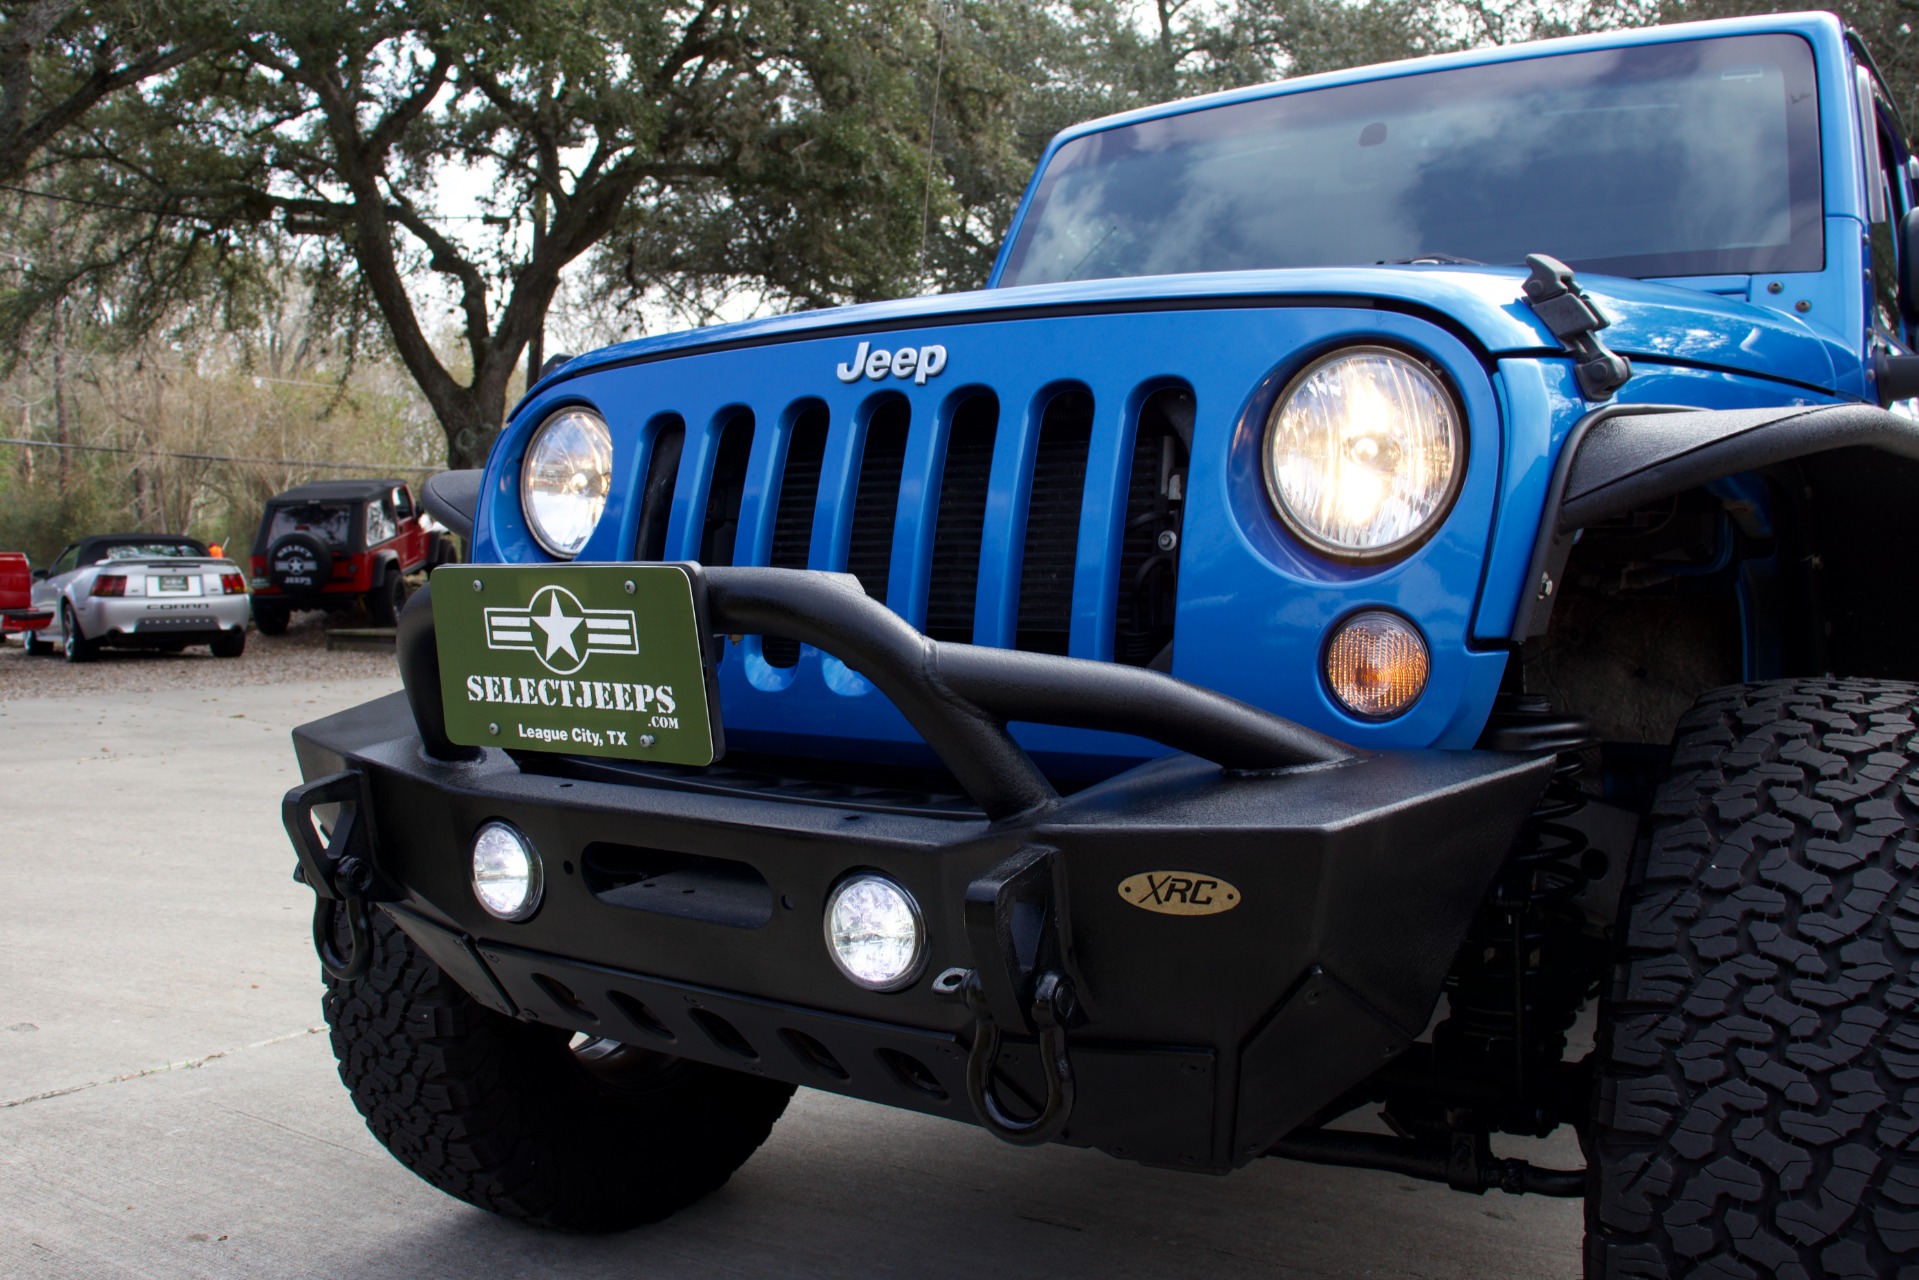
109	584
233	584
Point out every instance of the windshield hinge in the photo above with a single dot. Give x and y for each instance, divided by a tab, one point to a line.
1574	318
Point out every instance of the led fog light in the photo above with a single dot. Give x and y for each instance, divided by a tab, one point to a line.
1377	665
506	872
873	932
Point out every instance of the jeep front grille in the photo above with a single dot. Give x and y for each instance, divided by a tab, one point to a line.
991	480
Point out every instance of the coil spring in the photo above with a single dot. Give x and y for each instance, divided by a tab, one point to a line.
1522	973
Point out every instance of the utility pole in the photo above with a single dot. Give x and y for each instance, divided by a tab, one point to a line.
536	345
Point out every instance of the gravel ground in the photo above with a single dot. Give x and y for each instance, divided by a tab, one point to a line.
300	654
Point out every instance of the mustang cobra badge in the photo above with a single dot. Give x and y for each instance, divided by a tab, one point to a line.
1179	893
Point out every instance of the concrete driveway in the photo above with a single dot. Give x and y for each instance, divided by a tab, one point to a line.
168	1105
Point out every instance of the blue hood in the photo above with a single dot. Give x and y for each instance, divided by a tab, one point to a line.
1650	321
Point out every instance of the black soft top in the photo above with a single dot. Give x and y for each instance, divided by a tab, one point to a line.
93	550
336	491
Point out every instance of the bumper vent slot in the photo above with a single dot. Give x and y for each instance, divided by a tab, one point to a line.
686	885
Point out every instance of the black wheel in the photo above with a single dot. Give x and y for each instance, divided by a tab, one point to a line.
229	644
445	551
270	617
519	1120
384	601
35	646
1757	1102
73	643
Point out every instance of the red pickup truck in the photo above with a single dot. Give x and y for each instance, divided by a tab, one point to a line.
17	612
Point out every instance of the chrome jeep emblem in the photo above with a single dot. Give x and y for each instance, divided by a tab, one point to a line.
917	363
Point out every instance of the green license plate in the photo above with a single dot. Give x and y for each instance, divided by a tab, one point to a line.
584	659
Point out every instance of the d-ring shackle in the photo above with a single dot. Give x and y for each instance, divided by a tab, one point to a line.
1052	1005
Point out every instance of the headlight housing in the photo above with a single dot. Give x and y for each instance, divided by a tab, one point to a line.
1364	453
564	480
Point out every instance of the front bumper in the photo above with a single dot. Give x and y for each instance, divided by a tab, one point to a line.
683	907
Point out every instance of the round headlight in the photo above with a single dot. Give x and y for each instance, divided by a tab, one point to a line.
563	483
506	872
1364	453
873	932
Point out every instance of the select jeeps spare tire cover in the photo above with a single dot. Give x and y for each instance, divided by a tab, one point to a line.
299	562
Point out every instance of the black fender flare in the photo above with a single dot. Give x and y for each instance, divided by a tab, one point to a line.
452	498
382	561
1622	457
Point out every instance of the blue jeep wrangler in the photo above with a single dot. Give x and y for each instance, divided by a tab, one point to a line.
1392	561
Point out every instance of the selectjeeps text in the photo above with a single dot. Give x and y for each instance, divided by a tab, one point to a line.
1390	560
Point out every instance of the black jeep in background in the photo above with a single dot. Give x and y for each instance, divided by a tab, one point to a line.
332	543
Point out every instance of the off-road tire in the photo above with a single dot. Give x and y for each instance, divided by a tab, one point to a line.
228	644
74	645
1757	1100
501	1113
384	602
271	619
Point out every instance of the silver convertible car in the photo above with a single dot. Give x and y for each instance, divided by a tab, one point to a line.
141	590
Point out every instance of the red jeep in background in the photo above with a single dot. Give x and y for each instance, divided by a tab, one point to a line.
17	611
329	544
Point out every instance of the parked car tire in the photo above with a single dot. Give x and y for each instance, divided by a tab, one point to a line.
384	601
229	644
35	646
1755	1112
73	643
514	1118
270	618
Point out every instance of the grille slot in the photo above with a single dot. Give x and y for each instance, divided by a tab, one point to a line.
656	502
793	520
1155	502
721	527
953	587
869	555
1052	524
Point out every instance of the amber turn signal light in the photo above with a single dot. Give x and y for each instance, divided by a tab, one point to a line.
1377	665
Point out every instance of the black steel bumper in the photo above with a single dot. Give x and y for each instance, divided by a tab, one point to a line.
683	910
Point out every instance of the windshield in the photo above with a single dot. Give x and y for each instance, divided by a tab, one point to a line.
147	551
1691	158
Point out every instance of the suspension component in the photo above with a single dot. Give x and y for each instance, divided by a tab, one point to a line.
1527	964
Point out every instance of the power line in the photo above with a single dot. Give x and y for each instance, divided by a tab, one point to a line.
219	457
87	202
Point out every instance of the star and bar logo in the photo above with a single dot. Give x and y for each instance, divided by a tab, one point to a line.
560	631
